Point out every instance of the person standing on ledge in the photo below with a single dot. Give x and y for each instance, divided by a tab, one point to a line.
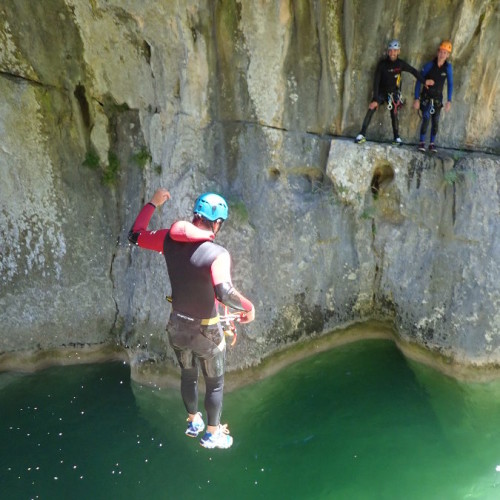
387	88
430	101
200	275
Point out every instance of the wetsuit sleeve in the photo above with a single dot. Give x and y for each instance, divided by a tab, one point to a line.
224	289
186	232
376	80
228	295
418	88
424	72
410	69
140	236
449	81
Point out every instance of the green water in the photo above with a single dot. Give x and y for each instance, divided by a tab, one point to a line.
357	422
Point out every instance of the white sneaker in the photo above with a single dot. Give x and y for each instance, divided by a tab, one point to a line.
195	426
360	138
397	141
219	439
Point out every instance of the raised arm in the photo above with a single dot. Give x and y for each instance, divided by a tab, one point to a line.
139	234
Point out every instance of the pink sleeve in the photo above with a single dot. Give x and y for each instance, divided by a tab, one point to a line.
142	220
186	232
221	269
151	240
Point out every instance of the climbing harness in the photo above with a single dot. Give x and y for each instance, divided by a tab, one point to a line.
227	321
203	322
394	101
433	106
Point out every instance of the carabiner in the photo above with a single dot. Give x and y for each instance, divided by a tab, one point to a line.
390	100
230	328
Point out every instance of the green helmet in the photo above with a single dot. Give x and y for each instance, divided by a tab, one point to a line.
211	206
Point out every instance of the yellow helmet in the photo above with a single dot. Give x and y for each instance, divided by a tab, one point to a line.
446	45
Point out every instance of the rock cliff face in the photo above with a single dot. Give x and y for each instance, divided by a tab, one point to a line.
104	101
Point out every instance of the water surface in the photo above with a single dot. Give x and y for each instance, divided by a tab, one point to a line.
356	422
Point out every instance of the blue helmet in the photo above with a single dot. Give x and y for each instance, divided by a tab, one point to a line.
394	44
211	206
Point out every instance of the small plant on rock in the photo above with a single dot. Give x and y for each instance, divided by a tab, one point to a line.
92	160
142	157
110	174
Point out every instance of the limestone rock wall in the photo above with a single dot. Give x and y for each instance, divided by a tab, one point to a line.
104	101
431	225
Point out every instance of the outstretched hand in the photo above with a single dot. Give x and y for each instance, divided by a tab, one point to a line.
160	197
247	317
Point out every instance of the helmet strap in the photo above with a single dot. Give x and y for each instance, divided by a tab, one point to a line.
216	225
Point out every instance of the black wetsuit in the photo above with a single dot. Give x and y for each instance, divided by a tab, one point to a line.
194	329
431	99
189	270
387	88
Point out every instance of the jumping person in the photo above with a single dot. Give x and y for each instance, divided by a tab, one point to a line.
199	272
430	101
387	88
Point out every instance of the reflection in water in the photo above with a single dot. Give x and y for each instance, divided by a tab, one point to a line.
468	414
356	422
